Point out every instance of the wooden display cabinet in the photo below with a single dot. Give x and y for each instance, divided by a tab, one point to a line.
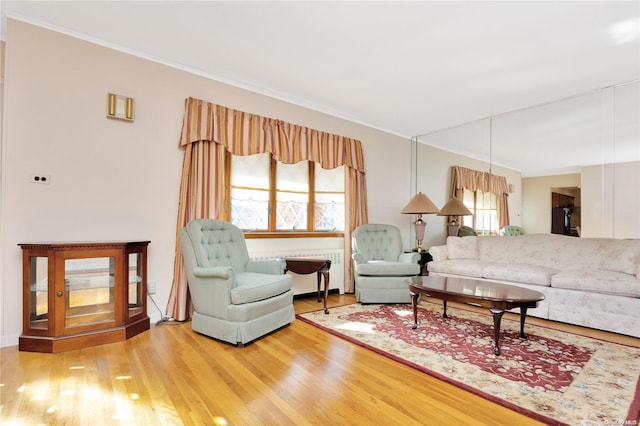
78	294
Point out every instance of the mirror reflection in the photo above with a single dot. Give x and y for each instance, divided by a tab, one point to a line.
572	165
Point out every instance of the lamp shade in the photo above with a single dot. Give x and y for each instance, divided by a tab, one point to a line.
454	207
420	204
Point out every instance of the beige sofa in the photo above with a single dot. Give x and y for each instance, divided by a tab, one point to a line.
592	282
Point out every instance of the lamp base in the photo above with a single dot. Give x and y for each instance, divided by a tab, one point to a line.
453	229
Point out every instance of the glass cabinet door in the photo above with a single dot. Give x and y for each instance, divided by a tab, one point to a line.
135	290
39	293
89	291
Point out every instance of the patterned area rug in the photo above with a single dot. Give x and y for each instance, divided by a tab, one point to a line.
553	376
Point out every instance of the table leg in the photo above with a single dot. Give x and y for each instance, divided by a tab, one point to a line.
497	317
319	278
325	274
523	316
414	304
444	309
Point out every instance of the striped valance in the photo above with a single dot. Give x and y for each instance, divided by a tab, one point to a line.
474	180
242	133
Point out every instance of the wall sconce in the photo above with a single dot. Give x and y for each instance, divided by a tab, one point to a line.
119	107
512	188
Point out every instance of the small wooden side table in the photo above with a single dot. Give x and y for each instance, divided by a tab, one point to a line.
425	258
309	265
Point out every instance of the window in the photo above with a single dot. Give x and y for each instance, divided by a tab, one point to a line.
484	207
301	196
328	203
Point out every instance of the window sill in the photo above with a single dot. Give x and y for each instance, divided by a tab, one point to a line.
291	234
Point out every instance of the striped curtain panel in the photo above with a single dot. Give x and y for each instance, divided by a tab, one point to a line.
474	180
210	131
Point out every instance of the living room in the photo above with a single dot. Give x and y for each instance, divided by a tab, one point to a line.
98	190
111	179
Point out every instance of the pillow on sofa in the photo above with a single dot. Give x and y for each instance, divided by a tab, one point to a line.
462	247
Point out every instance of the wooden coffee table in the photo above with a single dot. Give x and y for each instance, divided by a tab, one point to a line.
497	297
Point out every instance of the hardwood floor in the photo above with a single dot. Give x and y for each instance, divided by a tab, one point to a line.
170	375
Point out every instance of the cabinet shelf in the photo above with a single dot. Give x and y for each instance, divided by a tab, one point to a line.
81	294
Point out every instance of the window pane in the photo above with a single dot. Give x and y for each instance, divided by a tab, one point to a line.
331	180
291	211
328	214
250	208
468	199
293	177
485	211
250	171
250	191
292	195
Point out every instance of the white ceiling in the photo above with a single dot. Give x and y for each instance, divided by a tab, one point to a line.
409	68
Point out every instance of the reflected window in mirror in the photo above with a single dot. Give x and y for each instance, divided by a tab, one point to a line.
484	207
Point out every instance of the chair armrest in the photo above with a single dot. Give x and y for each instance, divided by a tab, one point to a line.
357	258
267	266
439	252
212	272
413	257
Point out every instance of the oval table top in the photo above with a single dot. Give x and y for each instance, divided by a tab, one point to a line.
474	289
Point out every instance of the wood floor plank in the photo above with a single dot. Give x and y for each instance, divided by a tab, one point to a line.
299	375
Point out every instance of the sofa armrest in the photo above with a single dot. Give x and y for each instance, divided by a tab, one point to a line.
267	266
439	252
413	257
212	272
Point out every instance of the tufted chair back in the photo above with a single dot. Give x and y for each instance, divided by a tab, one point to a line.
218	243
377	242
512	230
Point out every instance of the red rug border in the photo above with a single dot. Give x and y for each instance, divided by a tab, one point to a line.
634	408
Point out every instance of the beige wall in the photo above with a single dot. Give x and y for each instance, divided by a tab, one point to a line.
2	49
611	200
112	180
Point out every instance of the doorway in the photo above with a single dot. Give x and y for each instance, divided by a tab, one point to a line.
565	211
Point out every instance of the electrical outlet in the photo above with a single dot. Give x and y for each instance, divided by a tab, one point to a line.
40	179
151	287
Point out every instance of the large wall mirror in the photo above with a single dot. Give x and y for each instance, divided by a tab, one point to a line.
577	157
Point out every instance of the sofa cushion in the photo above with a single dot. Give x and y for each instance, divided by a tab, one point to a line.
519	272
466	267
619	255
387	269
462	247
252	286
599	281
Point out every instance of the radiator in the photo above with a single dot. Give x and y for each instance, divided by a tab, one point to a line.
303	284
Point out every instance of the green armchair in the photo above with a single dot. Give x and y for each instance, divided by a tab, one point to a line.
235	299
467	231
381	268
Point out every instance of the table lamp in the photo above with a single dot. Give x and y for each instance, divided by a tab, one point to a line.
453	209
420	204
